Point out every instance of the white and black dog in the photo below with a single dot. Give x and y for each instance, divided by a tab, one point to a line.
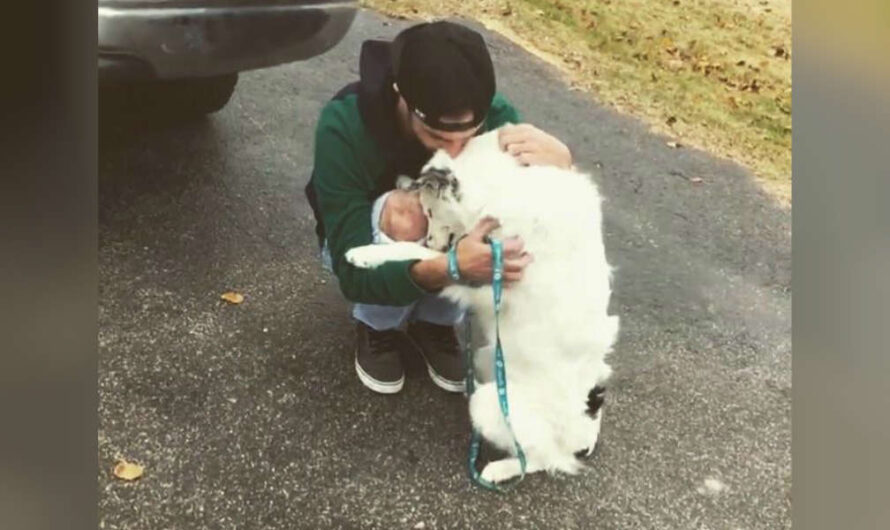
554	326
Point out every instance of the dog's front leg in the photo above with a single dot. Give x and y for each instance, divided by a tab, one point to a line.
372	256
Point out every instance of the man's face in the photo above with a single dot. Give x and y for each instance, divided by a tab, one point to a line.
452	142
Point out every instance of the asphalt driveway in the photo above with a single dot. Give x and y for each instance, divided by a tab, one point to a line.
251	416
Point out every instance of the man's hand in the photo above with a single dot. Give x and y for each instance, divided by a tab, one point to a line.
533	147
402	216
474	260
474	255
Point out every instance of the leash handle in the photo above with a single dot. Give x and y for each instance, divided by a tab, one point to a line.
497	273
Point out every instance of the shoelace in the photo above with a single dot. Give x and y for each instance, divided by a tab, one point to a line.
382	341
444	337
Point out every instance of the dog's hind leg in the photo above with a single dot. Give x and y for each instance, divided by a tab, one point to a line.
591	435
535	434
507	468
592	420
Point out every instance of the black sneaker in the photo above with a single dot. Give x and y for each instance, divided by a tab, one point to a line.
377	361
442	353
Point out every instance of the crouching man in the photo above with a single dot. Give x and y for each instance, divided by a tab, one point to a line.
432	88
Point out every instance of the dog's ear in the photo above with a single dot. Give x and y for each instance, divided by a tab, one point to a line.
406	183
439	180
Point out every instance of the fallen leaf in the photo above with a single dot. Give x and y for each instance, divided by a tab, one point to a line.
696	180
673	145
127	470
749	85
232	297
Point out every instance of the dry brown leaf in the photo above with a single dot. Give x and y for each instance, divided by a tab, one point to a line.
232	297
128	470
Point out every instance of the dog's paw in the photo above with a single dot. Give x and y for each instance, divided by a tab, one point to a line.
405	250
588	452
366	257
501	470
371	256
593	436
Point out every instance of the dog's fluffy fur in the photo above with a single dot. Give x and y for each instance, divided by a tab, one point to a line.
555	329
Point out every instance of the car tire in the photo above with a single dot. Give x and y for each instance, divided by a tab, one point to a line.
176	98
198	96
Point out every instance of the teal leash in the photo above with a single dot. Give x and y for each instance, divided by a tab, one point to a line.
497	259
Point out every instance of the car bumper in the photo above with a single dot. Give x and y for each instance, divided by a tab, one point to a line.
179	42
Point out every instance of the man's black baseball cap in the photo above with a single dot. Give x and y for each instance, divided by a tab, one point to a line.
443	69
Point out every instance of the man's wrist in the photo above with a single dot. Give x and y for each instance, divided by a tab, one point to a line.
431	274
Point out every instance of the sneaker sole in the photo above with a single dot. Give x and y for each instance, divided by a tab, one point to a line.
445	384
381	387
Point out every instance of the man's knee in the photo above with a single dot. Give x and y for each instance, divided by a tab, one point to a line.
382	317
439	310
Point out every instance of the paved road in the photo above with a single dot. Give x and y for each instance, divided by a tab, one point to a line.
251	416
